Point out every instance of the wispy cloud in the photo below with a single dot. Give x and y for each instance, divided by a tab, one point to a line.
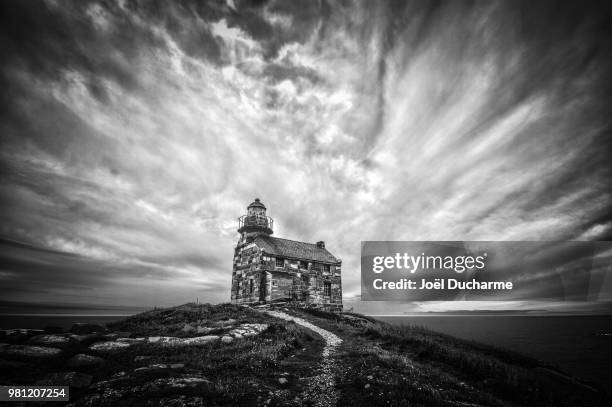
133	134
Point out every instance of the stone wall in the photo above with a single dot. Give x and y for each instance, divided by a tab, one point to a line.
257	279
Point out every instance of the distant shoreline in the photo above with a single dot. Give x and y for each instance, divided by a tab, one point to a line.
65	315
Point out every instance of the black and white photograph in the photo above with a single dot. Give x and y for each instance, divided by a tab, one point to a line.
306	203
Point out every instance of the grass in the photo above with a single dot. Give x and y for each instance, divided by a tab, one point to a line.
171	321
409	365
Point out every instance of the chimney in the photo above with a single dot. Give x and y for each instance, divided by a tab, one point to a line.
321	244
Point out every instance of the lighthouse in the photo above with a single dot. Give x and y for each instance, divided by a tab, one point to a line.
269	269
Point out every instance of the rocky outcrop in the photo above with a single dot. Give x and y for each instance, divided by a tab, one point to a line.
55	341
88	339
109	346
159	366
242	331
83	360
18	336
120	388
204	330
31	353
173	341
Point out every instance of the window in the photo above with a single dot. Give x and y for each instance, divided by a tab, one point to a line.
327	289
280	262
326	268
304	265
251	286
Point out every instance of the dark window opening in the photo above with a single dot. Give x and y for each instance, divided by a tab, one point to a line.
251	286
326	268
280	262
327	289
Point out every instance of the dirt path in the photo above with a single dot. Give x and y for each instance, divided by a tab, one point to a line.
321	390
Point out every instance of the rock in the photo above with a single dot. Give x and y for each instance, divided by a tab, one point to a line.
55	341
53	329
122	334
73	379
158	339
181	382
367	386
131	341
30	352
204	330
83	360
177	365
87	340
172	341
198	340
19	336
109	346
370	377
226	323
282	380
183	401
227	339
247	330
188	328
157	366
139	359
84	329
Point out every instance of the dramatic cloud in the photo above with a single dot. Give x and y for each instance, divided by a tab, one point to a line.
134	133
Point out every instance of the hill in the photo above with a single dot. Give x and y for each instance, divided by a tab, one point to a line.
200	354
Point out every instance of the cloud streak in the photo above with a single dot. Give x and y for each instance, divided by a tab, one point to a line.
134	133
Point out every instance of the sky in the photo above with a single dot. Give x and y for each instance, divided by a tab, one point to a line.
134	134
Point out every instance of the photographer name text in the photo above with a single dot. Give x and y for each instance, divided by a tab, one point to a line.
440	284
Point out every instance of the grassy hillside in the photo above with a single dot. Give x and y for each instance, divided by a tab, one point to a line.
383	364
251	358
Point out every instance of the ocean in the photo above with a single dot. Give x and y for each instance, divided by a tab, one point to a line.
39	321
578	345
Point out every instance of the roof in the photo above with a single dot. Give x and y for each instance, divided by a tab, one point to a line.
256	204
290	248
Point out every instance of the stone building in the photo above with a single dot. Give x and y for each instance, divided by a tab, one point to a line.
270	269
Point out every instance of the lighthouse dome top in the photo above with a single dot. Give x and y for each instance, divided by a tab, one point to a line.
255	221
256	204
